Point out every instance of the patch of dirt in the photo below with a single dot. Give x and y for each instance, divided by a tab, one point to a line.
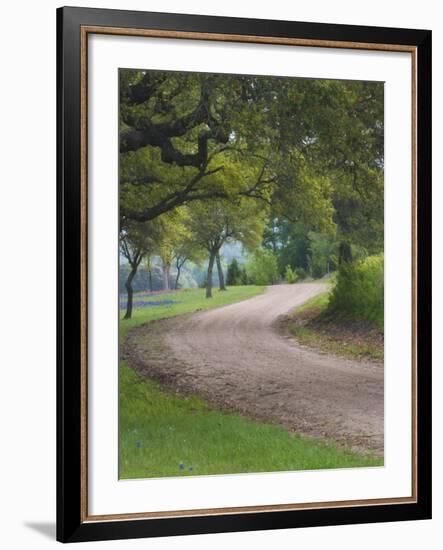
236	358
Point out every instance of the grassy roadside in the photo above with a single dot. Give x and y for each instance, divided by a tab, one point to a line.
184	301
312	327
163	434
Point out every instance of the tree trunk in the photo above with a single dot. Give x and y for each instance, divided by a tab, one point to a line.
177	278
221	277
150	279
166	276
130	292
344	253
209	276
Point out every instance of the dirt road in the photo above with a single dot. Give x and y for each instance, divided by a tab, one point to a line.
235	357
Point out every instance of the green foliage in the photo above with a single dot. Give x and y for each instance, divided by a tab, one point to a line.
244	277
290	276
288	241
304	250
359	290
219	221
312	149
262	268
300	273
322	254
234	273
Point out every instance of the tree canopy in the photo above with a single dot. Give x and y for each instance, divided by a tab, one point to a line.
187	137
295	163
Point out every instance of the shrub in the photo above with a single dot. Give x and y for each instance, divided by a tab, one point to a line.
359	290
290	276
262	268
300	273
234	273
244	277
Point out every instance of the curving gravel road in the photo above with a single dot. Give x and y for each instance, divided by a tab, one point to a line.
235	357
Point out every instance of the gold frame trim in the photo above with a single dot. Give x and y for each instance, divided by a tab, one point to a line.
84	32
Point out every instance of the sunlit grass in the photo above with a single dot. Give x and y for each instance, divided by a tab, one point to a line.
168	435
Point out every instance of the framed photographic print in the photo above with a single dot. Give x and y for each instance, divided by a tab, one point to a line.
244	325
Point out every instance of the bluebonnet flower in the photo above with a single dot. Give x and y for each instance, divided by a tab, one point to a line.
138	444
181	466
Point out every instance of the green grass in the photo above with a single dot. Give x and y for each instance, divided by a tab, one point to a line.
316	305
160	431
313	338
324	335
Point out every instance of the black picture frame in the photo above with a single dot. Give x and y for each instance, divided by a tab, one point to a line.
71	523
